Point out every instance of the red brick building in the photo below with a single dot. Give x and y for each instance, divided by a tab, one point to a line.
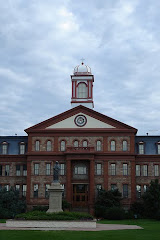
94	152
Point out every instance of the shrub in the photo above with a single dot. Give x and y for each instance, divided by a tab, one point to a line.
10	204
39	215
65	204
115	213
138	209
40	208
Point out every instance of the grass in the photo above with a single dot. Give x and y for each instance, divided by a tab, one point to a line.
2	220
151	231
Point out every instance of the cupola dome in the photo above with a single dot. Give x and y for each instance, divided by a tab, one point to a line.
82	69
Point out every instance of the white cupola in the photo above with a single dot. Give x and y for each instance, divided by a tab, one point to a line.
82	86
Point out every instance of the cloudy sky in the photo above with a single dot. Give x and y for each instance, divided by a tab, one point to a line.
42	41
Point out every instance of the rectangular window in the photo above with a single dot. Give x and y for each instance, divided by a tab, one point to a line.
138	191
7	187
138	170
113	169
36	169
18	170
125	190
22	148
24	190
113	187
158	148
156	170
62	170
145	187
80	170
145	170
141	148
46	190
24	169
0	170
17	187
35	194
48	169
98	168
125	169
7	170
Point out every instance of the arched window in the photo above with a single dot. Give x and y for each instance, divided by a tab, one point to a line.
99	145
37	145
22	148
82	90
113	145
76	144
125	145
4	148
49	145
85	143
63	146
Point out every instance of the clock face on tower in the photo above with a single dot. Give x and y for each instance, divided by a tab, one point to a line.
80	120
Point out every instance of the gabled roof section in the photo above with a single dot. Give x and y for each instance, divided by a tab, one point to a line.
66	120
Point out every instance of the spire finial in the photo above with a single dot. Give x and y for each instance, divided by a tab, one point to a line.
82	60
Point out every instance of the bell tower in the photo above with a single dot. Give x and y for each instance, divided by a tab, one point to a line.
82	86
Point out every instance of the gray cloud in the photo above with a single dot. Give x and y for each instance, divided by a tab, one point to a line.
42	41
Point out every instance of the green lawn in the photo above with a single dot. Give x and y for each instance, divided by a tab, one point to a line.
151	231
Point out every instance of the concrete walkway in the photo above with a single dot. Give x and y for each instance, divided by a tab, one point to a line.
100	227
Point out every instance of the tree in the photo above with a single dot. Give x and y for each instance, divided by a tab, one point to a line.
10	203
151	200
106	200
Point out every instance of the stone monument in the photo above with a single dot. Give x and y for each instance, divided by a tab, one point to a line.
55	192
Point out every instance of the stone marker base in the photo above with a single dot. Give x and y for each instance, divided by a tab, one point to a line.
50	224
55	198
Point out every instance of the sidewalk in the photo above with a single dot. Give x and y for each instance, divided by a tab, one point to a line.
100	227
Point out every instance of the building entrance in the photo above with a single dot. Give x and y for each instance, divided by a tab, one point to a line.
80	195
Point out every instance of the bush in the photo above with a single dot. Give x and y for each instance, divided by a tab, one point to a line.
115	213
65	204
39	215
10	204
40	208
138	209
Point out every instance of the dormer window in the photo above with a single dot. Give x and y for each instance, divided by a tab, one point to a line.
113	145
4	148
124	146
37	145
141	147
158	147
49	146
22	148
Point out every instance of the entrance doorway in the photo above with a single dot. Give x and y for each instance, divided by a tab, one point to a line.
80	195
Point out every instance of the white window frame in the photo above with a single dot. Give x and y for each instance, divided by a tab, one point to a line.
24	170
18	170
125	169
22	148
145	170
62	169
24	190
99	145
113	169
138	191
138	170
141	148
85	143
48	169
49	146
80	170
125	145
37	145
4	148
113	145
99	169
62	146
7	170
76	143
156	170
36	169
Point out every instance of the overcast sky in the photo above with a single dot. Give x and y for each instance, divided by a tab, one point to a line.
42	41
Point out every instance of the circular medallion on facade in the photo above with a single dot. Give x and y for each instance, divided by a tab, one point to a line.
80	120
